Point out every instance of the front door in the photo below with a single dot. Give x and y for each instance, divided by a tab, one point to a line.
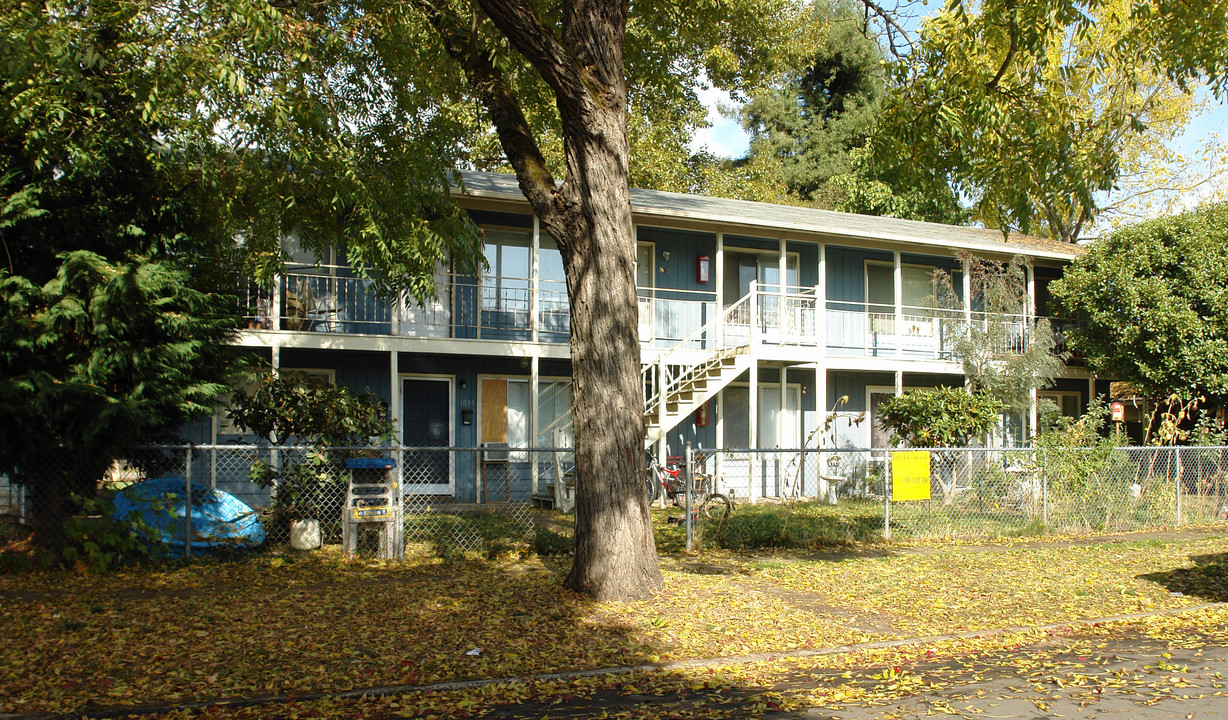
426	423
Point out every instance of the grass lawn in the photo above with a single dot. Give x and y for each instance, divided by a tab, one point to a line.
280	623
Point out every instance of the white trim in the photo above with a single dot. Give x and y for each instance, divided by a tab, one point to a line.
433	488
790	387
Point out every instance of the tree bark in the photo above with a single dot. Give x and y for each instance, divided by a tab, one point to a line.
589	216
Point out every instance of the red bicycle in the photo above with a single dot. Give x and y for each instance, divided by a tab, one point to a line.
704	502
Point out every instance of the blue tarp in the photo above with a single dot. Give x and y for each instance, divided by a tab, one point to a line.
219	519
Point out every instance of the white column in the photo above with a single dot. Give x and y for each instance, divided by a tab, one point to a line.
275	304
1033	418
753	427
820	309
1030	308
967	294
534	382
899	383
783	290
719	272
784	406
899	305
535	284
1091	388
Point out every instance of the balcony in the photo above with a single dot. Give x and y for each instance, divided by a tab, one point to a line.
328	299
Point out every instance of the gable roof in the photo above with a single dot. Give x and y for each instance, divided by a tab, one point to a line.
751	216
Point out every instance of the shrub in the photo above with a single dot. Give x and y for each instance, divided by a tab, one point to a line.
800	526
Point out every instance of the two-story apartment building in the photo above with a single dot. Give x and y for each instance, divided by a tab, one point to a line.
754	319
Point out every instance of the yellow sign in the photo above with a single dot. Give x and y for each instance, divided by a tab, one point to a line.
910	475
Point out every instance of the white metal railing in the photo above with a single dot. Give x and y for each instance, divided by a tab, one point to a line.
670	317
330	299
678	366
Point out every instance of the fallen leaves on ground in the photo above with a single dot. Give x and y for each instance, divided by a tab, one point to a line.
275	625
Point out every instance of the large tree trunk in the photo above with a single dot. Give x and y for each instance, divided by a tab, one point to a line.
615	556
589	216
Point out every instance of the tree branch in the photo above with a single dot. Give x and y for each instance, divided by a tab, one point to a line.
893	26
462	44
519	22
1006	61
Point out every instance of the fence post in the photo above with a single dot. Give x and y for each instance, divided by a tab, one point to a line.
687	488
1177	461
187	503
888	481
1044	490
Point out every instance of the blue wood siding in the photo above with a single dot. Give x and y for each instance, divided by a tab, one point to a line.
846	272
808	263
679	272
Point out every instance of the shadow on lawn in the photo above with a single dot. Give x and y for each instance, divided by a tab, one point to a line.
1208	579
292	625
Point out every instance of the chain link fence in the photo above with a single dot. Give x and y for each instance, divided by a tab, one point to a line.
376	500
382	500
837	496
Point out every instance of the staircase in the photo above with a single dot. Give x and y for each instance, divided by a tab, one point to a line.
679	381
675	383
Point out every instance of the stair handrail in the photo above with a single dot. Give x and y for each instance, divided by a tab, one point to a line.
716	327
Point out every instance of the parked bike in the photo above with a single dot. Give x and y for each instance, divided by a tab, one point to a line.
704	502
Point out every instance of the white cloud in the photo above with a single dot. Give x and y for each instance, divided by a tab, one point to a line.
725	137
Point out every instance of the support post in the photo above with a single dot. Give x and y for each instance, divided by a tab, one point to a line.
1177	462
535	286
534	440
898	324
752	442
720	290
1044	489
187	503
686	469
888	481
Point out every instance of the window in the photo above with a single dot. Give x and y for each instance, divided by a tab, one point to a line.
764	268
505	411
917	287
737	420
505	287
1069	404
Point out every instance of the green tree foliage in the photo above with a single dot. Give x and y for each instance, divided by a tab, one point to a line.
288	408
811	125
821	111
1152	305
1028	106
137	142
100	358
291	409
1004	352
939	417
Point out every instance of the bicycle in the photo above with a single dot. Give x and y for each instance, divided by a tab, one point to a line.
704	502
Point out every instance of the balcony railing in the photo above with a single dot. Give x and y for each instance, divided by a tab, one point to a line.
329	299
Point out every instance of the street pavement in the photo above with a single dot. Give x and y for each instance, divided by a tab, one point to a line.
1123	674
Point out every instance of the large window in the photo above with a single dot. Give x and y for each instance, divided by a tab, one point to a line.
764	268
505	286
1069	404
917	283
737	420
505	411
